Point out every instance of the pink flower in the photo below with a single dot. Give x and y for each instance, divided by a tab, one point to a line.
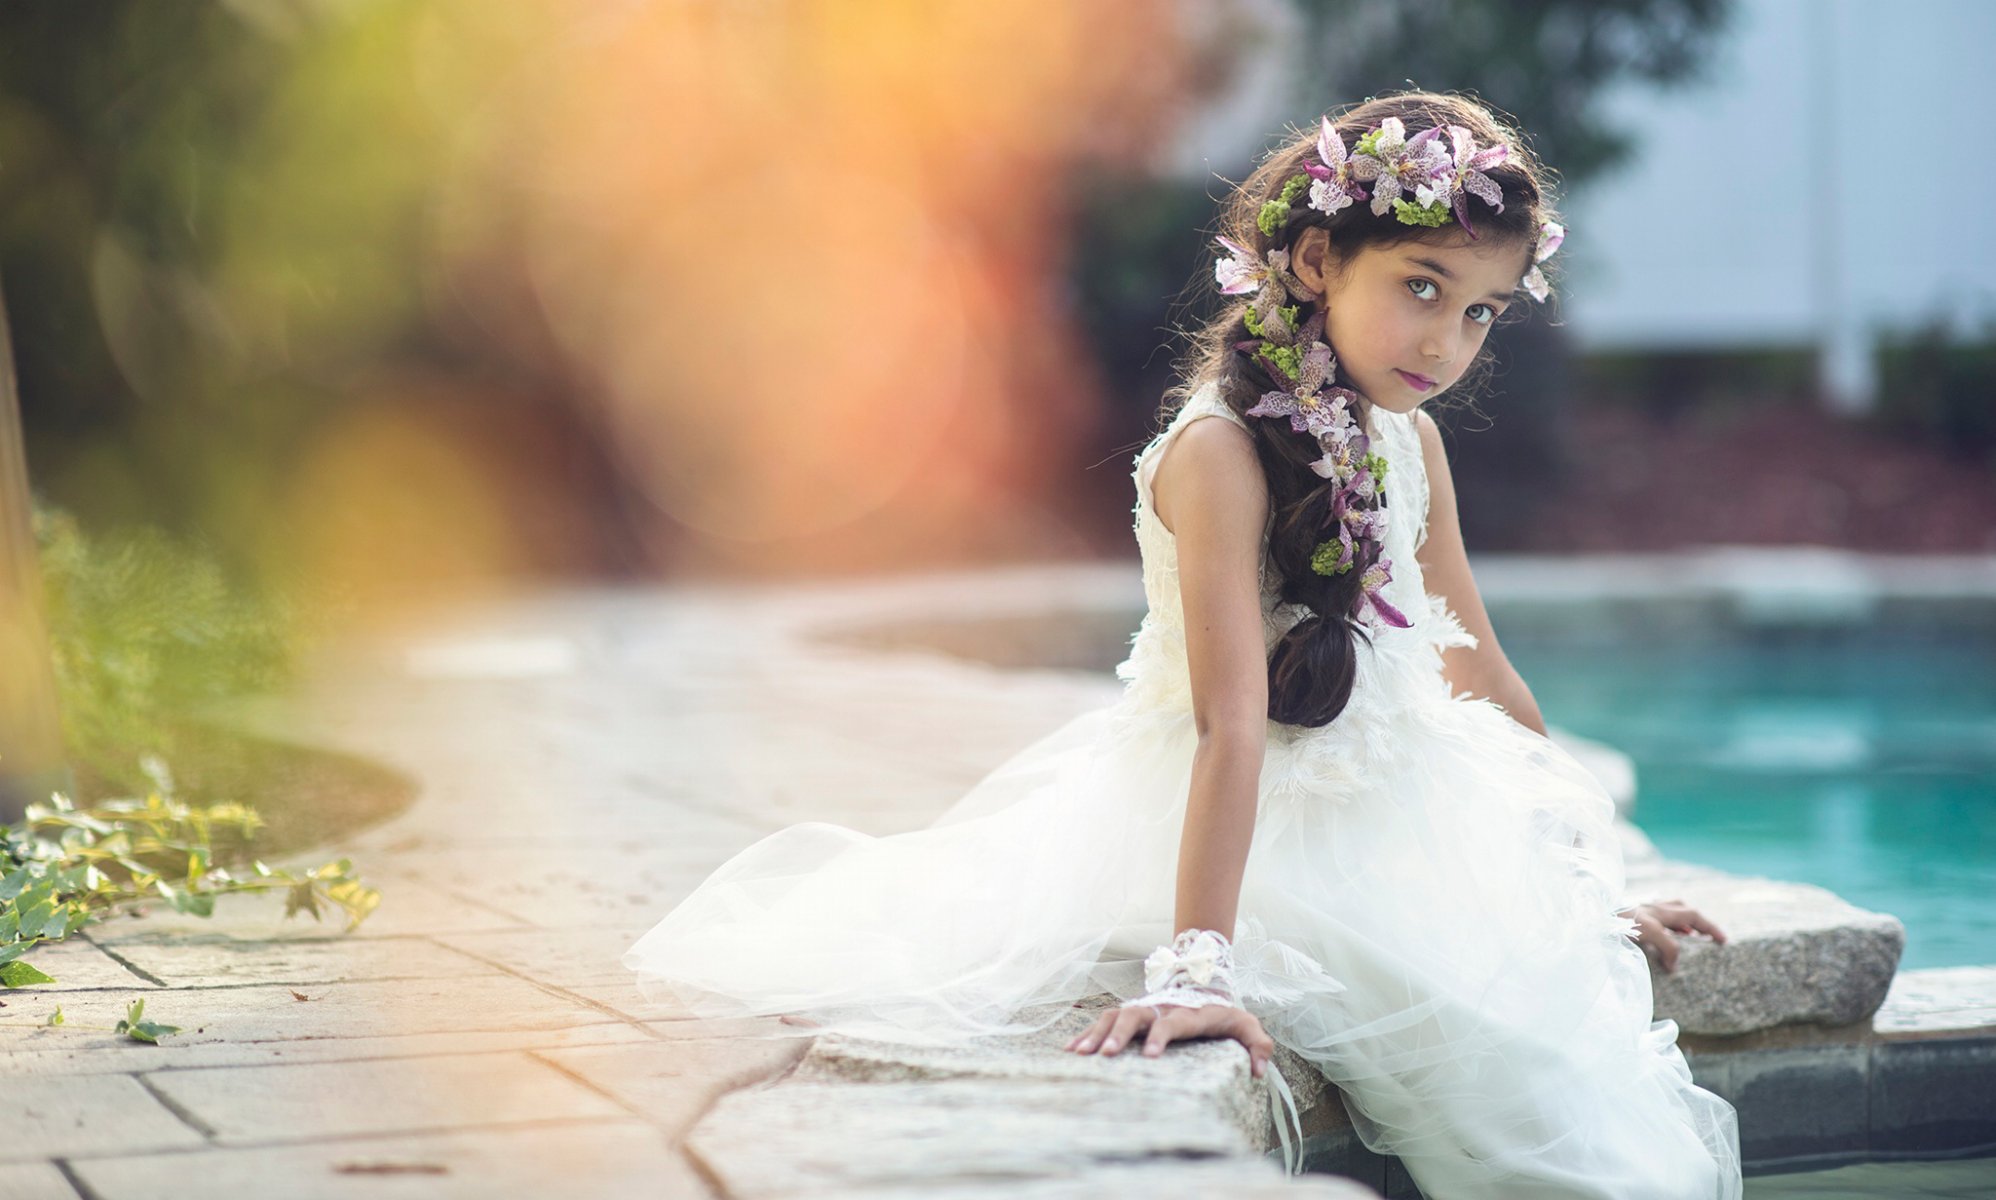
1551	234
1334	187
1241	272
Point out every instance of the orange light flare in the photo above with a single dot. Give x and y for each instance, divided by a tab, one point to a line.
808	257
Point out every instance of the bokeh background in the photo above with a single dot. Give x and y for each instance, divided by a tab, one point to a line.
329	316
405	302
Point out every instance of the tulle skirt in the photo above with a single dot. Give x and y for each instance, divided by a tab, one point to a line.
1427	916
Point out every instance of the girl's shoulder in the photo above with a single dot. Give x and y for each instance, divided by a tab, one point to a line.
1206	462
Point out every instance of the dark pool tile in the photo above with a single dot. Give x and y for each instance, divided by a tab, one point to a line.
1933	1094
1799	1103
1398	1184
1340	1152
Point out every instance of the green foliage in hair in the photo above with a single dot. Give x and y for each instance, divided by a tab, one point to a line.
1415	214
1325	560
1289	314
1275	213
1272	217
1287	359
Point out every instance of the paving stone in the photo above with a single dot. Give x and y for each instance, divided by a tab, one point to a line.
593	1158
403	1095
674	1082
557	956
211	960
34	1181
360	1009
1235	1179
107	1055
904	1134
1938	1001
77	964
408	907
719	1027
623	996
59	1117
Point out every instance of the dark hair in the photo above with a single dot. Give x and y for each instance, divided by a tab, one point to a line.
1311	669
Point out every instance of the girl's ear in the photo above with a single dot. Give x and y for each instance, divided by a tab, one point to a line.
1311	259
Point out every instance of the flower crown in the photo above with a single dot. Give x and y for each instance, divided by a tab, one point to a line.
1441	178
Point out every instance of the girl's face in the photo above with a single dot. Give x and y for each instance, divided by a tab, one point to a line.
1407	320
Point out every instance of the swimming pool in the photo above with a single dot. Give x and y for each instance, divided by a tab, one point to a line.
1858	757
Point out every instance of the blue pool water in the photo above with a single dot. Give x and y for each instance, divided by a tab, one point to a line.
1862	760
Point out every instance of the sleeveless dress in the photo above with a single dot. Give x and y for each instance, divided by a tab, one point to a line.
1427	913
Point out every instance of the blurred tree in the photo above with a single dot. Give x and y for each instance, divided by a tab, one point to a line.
31	762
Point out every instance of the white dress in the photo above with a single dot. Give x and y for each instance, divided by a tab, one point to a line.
1427	913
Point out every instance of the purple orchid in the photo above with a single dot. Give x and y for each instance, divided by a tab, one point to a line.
1334	185
1465	178
1242	271
1375	578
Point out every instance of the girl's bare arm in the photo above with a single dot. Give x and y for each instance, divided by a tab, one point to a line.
1483	671
1211	494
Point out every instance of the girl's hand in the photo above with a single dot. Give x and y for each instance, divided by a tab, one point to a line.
1118	1027
1654	920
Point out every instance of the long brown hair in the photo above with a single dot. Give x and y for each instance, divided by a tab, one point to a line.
1311	669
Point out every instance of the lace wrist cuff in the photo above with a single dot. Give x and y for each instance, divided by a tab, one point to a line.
1197	969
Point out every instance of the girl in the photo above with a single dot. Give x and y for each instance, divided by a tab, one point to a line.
1325	804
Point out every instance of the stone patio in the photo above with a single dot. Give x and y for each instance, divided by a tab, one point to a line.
586	757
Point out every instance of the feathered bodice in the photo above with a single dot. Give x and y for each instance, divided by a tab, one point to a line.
1399	668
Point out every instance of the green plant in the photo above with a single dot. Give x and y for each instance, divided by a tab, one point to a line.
144	630
64	867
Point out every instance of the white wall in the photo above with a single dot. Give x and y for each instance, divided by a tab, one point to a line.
1832	178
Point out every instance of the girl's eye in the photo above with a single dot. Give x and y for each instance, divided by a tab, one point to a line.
1429	283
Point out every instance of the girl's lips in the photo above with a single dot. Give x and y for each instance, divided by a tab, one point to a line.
1418	382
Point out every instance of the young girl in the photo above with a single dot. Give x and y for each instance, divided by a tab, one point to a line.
1324	811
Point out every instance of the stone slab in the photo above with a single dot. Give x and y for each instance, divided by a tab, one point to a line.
259	1013
216	960
105	1056
408	908
674	1082
1234	1179
35	1181
556	956
1211	1071
920	1134
595	1158
567	885
62	1116
77	964
1794	953
300	1101
1938	1002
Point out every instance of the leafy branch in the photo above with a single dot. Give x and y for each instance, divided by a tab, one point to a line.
64	867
